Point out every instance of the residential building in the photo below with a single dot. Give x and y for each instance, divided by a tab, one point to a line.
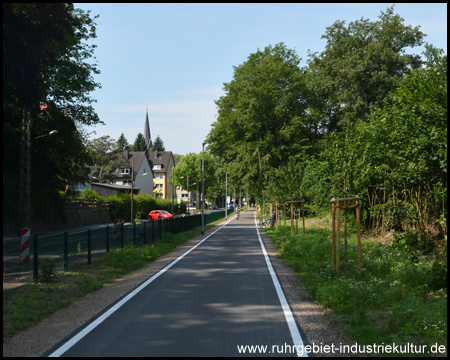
121	182
163	164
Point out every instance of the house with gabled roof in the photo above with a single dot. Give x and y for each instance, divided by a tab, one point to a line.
163	164
122	177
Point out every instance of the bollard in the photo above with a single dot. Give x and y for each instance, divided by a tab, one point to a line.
25	245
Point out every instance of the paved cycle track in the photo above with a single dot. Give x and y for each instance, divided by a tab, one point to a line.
221	294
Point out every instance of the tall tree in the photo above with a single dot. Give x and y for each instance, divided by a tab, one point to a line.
46	60
139	143
122	143
106	156
402	148
158	145
361	64
261	118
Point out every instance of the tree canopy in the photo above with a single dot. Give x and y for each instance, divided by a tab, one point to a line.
363	117
262	120
158	145
46	60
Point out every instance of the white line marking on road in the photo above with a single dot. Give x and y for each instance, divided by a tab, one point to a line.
295	333
66	346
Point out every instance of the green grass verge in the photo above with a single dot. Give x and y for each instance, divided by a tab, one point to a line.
393	298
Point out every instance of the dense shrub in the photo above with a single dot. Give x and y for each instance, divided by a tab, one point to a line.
120	206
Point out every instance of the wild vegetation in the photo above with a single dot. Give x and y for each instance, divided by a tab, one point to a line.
395	297
363	117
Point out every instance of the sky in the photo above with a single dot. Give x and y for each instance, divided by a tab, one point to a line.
175	58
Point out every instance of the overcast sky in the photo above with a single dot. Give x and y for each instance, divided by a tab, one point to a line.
174	58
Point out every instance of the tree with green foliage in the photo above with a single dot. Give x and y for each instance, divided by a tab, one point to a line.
361	64
158	145
402	148
107	157
191	165
46	59
139	143
122	143
262	120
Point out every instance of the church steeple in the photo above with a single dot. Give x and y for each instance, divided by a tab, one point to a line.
147	134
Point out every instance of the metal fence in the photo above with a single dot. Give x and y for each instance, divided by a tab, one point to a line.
72	251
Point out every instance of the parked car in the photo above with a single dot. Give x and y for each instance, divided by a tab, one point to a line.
159	214
213	207
192	208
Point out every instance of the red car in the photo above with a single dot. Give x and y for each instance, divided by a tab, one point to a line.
159	214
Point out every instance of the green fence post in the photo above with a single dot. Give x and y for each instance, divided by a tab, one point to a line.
121	235
160	229
145	234
66	251
134	233
89	246
153	230
35	259
107	238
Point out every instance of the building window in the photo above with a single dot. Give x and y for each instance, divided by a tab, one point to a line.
127	182
159	176
159	186
124	171
157	167
158	195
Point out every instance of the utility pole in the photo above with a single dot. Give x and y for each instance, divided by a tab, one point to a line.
25	173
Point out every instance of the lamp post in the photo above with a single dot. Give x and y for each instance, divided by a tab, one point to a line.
203	188
226	195
132	187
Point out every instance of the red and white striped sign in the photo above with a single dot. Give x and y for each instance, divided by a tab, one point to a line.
25	245
117	229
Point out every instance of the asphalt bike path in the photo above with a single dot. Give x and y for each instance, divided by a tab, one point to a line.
216	299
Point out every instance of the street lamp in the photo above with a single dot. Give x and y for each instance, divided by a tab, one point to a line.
50	133
203	187
226	196
132	187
